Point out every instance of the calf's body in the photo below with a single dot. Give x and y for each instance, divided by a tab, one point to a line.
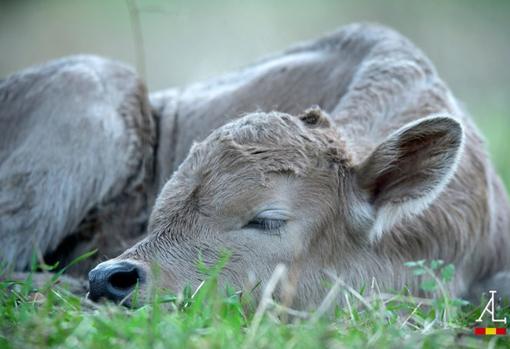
316	176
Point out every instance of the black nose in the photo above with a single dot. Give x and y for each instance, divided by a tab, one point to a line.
114	281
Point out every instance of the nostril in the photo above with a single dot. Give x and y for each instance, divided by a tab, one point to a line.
114	281
124	280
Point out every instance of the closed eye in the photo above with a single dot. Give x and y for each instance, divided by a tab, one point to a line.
268	225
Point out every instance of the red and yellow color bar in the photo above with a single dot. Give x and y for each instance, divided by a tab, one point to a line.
489	331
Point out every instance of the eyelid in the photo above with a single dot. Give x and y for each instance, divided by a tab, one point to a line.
272	214
270	226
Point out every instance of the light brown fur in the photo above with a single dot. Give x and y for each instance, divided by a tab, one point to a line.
317	172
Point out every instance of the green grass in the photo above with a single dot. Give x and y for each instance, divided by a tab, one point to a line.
51	317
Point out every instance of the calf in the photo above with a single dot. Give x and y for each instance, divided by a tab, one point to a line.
397	172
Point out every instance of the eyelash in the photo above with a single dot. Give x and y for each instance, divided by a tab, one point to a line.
268	225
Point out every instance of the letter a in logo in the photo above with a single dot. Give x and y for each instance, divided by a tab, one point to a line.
490	308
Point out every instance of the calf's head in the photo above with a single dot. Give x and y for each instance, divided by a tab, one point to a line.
275	188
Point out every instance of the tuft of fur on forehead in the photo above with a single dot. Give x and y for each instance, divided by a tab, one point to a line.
276	142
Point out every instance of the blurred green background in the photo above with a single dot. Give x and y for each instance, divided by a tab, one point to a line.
188	40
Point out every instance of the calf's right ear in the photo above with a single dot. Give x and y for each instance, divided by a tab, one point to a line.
408	170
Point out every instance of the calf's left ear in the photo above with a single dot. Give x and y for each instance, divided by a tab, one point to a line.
408	170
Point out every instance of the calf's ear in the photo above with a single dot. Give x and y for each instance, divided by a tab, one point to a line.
408	170
315	117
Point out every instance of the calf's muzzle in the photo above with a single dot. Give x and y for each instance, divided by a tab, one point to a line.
114	281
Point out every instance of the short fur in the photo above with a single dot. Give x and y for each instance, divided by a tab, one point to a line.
399	173
354	211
